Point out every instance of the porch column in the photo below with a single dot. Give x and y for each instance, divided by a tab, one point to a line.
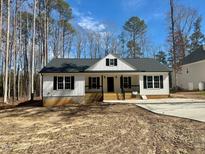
122	87
102	87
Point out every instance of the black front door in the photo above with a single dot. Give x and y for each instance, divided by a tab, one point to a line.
110	84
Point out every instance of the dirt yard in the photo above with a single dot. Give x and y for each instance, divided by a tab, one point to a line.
191	94
97	129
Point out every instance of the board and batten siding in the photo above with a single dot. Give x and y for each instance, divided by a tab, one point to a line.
153	91
101	65
191	74
79	87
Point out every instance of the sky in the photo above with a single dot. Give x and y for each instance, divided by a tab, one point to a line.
110	15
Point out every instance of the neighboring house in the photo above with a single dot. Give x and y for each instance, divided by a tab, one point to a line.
68	80
192	71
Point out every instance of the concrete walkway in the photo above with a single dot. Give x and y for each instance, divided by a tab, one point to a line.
180	107
194	111
157	101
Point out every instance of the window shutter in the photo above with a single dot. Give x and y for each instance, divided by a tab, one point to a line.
89	83
72	82
107	62
121	82
115	62
161	82
145	82
54	83
129	82
98	82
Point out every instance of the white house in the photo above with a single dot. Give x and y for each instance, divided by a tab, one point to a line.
80	80
192	71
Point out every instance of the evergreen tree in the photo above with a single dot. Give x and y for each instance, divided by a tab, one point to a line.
197	38
136	28
161	57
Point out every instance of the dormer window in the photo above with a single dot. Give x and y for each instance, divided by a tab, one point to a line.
111	62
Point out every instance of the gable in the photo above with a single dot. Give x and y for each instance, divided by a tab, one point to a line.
121	65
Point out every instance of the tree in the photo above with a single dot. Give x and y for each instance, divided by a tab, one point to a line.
122	42
161	57
106	39
180	24
7	53
136	28
1	53
197	38
33	50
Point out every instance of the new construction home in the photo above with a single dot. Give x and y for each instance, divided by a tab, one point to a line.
112	77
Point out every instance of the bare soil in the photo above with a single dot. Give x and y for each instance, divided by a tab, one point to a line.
189	94
97	129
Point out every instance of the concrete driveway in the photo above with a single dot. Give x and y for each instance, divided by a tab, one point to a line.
189	110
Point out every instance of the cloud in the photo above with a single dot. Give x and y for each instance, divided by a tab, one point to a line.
91	24
87	22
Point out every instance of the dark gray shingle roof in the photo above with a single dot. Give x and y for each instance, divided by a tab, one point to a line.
195	56
64	65
147	65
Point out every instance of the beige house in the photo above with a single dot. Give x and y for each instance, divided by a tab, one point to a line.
112	77
192	71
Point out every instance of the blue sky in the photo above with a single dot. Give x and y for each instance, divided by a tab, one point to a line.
110	15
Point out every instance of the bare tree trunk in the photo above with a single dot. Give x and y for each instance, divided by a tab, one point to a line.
1	53
63	43
33	50
18	81
14	44
173	40
46	31
7	52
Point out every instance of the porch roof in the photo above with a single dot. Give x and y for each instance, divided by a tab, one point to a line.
65	65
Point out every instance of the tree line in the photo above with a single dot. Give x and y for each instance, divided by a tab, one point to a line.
32	32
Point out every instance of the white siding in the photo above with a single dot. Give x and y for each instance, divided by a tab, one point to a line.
79	88
191	73
164	91
101	65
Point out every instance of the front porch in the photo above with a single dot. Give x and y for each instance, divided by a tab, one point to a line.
112	87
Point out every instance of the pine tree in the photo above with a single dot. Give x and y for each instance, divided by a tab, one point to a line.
197	38
161	57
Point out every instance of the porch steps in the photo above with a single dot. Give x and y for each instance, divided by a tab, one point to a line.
91	98
119	96
113	96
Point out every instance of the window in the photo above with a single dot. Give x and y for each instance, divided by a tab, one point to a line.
67	82
149	82
153	82
156	81
127	82
94	82
61	82
111	62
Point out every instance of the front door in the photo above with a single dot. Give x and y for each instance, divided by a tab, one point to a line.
110	84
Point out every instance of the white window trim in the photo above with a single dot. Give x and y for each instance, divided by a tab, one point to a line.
113	59
153	82
127	82
63	83
67	82
92	88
